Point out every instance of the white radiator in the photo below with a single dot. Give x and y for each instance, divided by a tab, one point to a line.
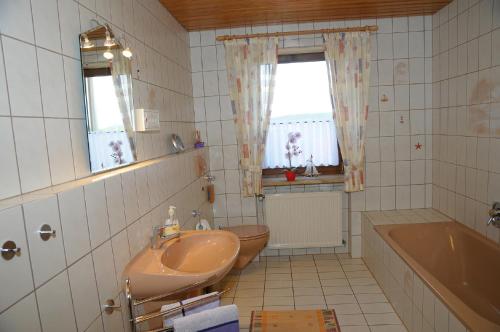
304	220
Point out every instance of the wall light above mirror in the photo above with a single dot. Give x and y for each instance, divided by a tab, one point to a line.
107	81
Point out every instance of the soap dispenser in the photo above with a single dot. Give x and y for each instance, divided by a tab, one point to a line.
172	224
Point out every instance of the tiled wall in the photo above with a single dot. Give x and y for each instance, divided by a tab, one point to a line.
100	221
398	173
466	112
42	126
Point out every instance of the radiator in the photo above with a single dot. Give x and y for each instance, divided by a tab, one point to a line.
304	220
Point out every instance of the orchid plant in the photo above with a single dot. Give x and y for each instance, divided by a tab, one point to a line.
292	149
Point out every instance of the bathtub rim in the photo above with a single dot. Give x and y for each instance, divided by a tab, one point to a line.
464	313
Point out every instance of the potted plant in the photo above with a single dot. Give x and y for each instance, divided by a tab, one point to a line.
292	150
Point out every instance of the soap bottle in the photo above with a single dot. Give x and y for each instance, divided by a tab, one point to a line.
171	222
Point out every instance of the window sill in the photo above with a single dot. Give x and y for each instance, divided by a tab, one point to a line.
277	181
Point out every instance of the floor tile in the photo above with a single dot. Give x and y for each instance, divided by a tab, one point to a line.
307	291
334	282
380	319
387	328
335	290
278	284
356	319
371	298
340	299
376	308
279	301
278	292
309	299
346	309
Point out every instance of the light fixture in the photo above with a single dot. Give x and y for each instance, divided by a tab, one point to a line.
108	55
109	41
127	52
86	42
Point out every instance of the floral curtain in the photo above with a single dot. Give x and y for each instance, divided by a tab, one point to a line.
348	59
251	69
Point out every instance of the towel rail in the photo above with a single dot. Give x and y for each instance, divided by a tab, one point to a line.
134	321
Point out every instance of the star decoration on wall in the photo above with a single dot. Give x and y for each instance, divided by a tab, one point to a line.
418	146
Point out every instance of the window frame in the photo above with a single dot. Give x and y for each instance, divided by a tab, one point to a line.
324	170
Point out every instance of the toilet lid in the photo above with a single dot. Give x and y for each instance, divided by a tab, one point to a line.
245	231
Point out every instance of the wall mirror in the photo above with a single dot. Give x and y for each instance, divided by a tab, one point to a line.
107	81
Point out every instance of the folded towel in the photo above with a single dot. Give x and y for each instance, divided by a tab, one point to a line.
222	319
168	320
210	305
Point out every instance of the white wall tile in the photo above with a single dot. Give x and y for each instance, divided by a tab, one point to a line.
16	20
84	292
105	272
55	305
32	155
60	151
16	271
46	21
9	176
52	84
23	316
22	77
47	257
80	148
97	215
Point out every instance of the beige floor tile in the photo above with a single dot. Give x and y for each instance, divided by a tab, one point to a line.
247	311
376	308
249	292
278	265
245	322
357	319
302	258
309	299
302	263
304	269
307	291
279	307
358	274
278	300
362	281
346	308
334	282
278	270
249	301
278	284
270	292
250	285
253	277
226	301
277	259
331	275
351	261
371	298
311	307
355	268
306	283
387	328
372	289
278	276
329	268
381	319
355	328
325	257
305	276
335	290
340	299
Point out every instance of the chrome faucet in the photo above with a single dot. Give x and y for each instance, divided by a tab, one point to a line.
158	234
495	215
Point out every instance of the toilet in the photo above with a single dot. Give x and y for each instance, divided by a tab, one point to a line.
253	238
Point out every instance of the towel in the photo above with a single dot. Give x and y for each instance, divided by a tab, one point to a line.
222	319
168	320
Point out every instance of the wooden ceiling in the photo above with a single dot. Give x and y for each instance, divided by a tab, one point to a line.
219	14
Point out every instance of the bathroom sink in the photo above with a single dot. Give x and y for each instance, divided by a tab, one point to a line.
196	258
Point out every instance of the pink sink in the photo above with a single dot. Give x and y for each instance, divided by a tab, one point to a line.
195	257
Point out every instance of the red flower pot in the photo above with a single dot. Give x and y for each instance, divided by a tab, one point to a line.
290	176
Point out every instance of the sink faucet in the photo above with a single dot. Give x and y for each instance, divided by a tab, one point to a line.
495	215
158	234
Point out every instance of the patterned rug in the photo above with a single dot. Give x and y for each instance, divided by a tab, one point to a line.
294	320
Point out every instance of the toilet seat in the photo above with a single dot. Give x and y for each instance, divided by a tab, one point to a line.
248	232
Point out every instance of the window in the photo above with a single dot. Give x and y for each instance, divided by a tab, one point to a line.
302	104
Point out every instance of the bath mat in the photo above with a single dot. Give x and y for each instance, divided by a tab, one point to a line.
294	321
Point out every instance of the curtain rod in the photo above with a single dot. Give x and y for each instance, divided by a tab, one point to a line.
369	28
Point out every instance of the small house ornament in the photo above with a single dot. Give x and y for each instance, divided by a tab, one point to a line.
310	168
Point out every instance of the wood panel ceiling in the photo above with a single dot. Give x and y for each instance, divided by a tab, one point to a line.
219	14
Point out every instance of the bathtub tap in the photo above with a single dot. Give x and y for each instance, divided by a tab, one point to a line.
495	215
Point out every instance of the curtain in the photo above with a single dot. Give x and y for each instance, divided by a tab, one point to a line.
109	150
318	138
251	69
348	59
121	72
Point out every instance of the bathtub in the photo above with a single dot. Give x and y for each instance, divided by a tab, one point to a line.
460	266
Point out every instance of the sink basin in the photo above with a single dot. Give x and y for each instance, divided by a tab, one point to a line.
195	257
